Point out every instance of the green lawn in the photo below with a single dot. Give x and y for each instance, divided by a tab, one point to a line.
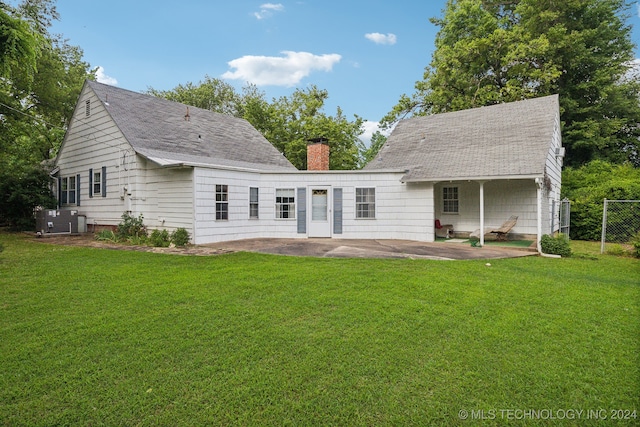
103	337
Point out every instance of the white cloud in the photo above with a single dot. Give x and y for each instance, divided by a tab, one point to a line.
379	38
369	129
101	77
279	71
267	9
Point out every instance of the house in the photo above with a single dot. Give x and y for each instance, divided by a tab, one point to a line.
219	178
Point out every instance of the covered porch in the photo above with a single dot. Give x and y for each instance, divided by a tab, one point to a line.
466	209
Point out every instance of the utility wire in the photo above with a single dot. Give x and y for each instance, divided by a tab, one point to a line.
30	116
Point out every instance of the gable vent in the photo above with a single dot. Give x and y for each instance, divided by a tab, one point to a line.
87	108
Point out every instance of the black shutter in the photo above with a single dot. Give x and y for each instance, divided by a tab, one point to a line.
337	210
104	181
59	191
302	210
78	190
90	182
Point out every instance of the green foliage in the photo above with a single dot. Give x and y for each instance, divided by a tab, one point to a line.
159	238
106	236
180	237
21	192
131	226
489	52
558	245
635	242
369	153
589	185
41	87
19	45
211	94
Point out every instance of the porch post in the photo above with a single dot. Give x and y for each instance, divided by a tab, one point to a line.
539	213
481	213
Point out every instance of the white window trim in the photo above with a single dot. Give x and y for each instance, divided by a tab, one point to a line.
97	182
256	203
457	199
224	190
365	203
293	206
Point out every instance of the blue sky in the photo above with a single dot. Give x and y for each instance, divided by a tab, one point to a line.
364	53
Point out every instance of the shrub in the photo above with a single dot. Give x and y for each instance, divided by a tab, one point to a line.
180	237
159	238
106	236
1	248
131	227
589	185
635	242
558	245
21	191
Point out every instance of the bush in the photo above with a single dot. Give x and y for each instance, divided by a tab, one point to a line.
159	239
558	245
180	237
635	242
130	227
21	191
106	236
588	186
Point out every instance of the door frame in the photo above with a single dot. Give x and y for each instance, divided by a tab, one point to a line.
320	228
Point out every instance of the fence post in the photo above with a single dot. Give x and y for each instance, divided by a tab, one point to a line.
604	226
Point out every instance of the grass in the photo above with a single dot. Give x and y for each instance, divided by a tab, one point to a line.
506	243
103	337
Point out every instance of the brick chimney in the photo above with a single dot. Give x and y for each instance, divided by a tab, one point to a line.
318	155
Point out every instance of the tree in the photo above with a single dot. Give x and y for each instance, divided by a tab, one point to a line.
492	51
291	122
21	193
369	153
19	45
40	81
211	94
37	100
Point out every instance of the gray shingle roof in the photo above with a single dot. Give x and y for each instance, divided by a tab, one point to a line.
156	128
505	140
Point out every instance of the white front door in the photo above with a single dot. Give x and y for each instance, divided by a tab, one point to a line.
320	212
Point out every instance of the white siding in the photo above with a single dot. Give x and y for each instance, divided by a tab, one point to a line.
164	196
92	143
553	175
402	211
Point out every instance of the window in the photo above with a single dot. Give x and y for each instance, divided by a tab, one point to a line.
222	202
365	202
97	183
450	200
68	190
285	203
253	202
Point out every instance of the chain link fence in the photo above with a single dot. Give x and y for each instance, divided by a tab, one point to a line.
620	221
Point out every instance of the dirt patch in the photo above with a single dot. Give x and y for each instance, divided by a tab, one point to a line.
88	240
